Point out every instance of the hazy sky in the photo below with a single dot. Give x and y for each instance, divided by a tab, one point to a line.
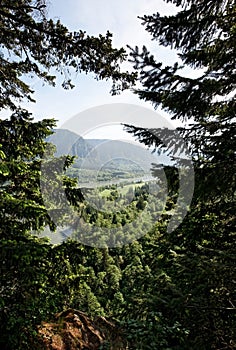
120	18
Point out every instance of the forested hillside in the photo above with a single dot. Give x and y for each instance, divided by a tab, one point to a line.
94	153
165	290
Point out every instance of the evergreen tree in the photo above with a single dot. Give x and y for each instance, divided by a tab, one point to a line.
193	268
203	33
37	279
33	44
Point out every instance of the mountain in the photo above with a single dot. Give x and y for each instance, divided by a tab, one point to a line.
68	142
102	153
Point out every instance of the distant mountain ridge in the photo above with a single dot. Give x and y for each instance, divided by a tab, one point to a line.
94	153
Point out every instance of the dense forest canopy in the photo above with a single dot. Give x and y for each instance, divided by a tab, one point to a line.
167	290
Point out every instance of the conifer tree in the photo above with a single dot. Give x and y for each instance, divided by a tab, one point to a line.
36	278
203	33
193	284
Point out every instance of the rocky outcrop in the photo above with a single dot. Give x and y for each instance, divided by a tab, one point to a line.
74	330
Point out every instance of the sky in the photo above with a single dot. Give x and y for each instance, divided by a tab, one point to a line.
120	18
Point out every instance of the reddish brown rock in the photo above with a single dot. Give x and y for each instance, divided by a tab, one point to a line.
74	330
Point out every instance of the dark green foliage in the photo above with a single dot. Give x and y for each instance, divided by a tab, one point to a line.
169	290
23	145
37	279
193	268
33	44
204	34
